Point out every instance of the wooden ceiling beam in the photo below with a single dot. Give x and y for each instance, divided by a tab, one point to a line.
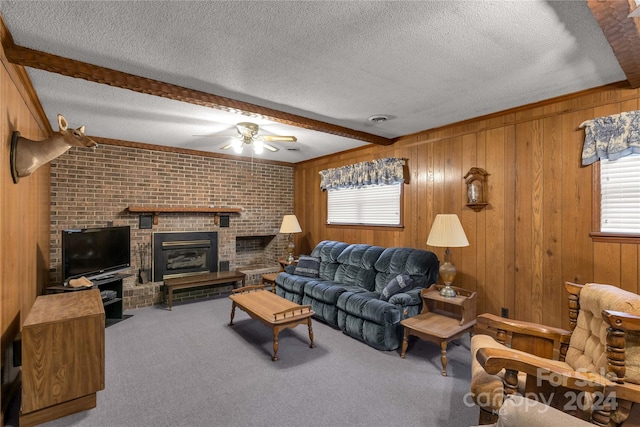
621	33
69	67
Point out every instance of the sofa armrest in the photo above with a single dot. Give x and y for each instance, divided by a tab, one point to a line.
411	297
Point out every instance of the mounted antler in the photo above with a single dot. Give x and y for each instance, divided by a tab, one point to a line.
28	155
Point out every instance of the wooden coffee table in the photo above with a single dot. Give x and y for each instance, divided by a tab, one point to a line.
274	311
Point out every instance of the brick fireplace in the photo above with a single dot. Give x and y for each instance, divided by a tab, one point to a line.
93	189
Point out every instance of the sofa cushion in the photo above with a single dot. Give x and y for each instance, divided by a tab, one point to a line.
367	306
400	283
308	266
520	411
328	252
356	266
325	292
420	264
293	283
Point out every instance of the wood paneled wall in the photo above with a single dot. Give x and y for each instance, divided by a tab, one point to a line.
24	213
533	236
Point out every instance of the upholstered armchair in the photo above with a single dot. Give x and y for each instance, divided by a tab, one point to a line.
519	411
593	370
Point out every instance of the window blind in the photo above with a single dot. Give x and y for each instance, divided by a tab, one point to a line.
371	205
620	195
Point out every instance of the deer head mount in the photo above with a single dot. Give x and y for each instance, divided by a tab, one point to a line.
28	155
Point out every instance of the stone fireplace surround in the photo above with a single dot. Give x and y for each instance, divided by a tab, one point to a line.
93	189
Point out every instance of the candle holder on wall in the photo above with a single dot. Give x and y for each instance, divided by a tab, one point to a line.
476	180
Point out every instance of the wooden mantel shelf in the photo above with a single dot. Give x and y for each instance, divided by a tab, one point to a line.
157	210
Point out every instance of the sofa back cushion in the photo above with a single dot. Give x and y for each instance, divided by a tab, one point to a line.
328	251
421	265
587	348
357	266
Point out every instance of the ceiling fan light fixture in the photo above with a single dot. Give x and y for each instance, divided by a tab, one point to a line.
248	135
237	146
258	146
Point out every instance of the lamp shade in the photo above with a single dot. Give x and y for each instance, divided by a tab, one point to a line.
290	224
447	232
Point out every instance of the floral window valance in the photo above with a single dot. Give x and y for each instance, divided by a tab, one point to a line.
381	171
611	137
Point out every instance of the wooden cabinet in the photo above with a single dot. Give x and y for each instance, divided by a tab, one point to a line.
62	356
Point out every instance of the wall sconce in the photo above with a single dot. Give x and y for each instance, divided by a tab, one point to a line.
476	180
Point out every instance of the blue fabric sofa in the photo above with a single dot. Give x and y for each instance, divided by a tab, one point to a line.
346	290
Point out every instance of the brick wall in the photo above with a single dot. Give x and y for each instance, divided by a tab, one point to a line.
93	189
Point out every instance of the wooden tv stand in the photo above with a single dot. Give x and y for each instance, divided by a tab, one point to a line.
113	308
62	356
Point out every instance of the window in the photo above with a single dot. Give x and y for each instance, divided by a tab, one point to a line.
370	205
620	195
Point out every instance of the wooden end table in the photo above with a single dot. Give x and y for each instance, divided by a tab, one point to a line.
285	262
270	279
440	321
274	311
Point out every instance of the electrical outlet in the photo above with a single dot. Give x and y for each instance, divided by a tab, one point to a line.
505	312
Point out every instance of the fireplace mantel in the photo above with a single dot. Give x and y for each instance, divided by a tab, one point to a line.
157	210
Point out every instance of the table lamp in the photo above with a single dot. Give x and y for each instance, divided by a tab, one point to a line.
447	232
290	225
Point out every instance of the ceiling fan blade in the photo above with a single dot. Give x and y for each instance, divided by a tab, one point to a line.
226	147
277	138
270	147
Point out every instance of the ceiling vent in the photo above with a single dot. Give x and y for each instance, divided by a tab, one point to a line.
378	118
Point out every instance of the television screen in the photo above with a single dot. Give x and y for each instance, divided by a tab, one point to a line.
95	252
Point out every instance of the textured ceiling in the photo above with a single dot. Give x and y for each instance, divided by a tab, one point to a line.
424	64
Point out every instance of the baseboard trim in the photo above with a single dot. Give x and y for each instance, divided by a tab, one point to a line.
58	411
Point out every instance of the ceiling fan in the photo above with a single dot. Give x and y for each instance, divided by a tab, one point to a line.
248	135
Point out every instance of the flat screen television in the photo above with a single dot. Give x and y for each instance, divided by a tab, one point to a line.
95	252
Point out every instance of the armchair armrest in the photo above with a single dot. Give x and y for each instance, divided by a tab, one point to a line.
525	328
605	400
529	337
617	355
493	360
625	391
621	320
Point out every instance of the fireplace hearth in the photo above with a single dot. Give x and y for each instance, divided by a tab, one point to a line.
179	254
